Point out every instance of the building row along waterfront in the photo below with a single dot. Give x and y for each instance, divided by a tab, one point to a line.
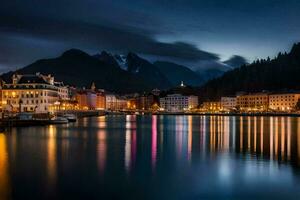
42	94
260	102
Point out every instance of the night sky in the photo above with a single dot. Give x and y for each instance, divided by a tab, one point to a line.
188	31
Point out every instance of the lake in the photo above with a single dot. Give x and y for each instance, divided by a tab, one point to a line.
153	157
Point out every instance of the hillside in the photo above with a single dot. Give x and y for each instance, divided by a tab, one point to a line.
275	74
177	73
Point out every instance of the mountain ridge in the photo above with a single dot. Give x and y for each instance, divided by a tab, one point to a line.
279	73
118	73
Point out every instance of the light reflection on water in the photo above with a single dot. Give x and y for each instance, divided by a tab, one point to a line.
152	156
5	188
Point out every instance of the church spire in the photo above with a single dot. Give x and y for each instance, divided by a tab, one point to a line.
93	87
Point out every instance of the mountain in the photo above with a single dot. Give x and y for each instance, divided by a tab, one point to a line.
236	61
147	71
118	73
76	67
107	58
177	73
214	69
279	73
208	74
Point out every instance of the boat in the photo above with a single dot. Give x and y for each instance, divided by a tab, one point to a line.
70	117
58	120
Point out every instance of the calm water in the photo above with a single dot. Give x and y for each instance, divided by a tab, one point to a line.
153	157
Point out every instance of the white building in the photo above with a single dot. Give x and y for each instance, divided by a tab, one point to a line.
63	91
30	93
110	101
178	102
284	101
228	103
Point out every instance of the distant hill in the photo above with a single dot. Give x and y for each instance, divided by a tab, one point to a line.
177	73
282	72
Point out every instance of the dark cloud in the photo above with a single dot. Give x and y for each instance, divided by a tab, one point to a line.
85	35
175	29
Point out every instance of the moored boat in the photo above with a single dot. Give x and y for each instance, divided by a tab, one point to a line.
58	120
70	117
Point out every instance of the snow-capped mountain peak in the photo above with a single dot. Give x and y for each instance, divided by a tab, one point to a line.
121	60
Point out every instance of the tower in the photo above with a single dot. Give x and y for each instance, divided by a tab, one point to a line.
182	85
93	87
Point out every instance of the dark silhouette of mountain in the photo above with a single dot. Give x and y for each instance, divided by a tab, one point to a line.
215	69
107	58
147	71
177	73
75	67
117	73
209	74
275	74
236	61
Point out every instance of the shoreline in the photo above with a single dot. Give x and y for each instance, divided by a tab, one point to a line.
13	122
237	114
204	114
6	123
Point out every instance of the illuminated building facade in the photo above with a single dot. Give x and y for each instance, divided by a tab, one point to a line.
29	93
86	99
110	101
213	106
146	101
100	100
283	102
63	91
178	102
253	102
228	103
1	98
114	102
90	99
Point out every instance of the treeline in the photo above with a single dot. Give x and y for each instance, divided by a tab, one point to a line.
280	73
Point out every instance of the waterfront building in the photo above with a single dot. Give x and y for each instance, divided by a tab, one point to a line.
81	98
228	103
86	99
253	102
114	102
178	102
91	99
131	103
146	101
284	101
0	99
121	103
212	106
63	91
110	101
29	93
142	102
100	100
